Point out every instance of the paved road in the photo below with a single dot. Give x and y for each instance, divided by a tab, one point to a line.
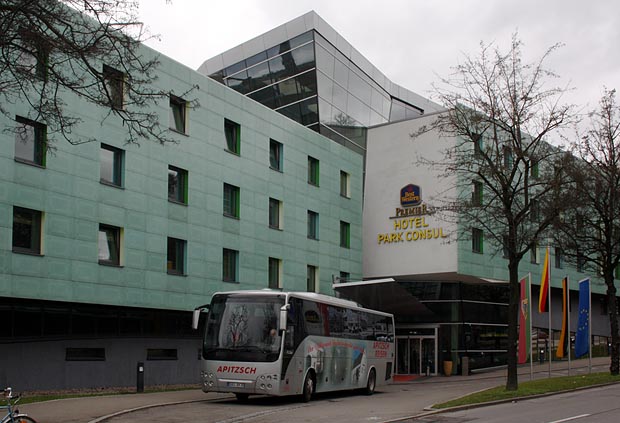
390	403
595	405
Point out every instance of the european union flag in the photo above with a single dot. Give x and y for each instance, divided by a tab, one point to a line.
582	338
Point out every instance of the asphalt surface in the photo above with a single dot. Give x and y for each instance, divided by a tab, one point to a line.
100	408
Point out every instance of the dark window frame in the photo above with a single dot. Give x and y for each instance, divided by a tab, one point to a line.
274	271
39	141
84	354
232	200
345	184
179	194
275	219
275	155
477	241
178	114
115	86
345	234
115	256
176	257
35	232
311	278
232	135
313	225
230	265
117	166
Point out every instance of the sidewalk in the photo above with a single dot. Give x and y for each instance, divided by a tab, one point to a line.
94	409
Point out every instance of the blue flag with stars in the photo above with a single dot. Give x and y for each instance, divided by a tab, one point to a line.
582	338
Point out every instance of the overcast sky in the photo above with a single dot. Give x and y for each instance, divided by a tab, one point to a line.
411	41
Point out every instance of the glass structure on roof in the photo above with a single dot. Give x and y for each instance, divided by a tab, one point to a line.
310	81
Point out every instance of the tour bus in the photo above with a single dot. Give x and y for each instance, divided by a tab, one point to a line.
293	343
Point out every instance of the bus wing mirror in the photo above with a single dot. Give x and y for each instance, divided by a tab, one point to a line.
196	315
283	317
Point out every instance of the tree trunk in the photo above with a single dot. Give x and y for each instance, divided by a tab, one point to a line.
612	308
513	319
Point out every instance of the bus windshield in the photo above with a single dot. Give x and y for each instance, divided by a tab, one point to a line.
243	328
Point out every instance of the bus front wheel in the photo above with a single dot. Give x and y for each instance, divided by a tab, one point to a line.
372	382
308	388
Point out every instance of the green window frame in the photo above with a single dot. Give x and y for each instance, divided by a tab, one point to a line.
313	171
275	213
345	184
109	245
311	278
345	234
275	270
111	165
178	114
477	241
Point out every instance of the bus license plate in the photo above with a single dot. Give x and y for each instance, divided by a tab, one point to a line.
236	385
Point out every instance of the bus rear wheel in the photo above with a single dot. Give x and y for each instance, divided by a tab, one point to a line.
372	382
308	388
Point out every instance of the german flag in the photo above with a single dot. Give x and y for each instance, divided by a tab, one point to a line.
543	305
563	345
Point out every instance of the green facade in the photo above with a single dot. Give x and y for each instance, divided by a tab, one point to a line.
73	202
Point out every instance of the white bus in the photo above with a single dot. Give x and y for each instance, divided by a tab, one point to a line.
293	343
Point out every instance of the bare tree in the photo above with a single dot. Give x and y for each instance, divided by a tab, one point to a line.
589	232
55	52
500	111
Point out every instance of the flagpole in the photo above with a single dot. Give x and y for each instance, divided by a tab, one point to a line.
590	326
550	337
529	287
568	323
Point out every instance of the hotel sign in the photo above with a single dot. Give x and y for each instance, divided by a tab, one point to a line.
409	222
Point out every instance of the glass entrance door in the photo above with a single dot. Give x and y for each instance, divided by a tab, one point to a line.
415	354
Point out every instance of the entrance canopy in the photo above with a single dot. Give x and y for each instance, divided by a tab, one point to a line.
384	295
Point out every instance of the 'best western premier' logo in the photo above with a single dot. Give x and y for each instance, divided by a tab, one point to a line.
410	195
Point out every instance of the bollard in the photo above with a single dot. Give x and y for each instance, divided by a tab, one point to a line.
140	377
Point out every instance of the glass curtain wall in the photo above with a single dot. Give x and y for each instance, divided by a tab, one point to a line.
310	81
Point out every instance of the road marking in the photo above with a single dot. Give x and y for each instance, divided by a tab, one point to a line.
570	418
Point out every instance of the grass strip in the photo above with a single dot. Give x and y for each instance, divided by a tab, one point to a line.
534	387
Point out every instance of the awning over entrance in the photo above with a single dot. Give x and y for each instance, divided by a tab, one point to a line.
384	295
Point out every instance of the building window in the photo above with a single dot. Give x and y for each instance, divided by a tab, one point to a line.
30	141
507	157
109	245
230	265
311	279
534	253
505	250
231	201
178	114
559	258
232	131
313	225
476	194
176	256
275	271
115	86
313	171
534	169
581	261
275	155
27	230
344	277
345	184
477	140
84	354
345	234
275	215
111	165
177	185
161	354
534	210
477	240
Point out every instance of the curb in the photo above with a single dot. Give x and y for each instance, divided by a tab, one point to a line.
432	411
144	407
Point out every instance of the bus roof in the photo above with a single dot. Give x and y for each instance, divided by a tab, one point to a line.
312	296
